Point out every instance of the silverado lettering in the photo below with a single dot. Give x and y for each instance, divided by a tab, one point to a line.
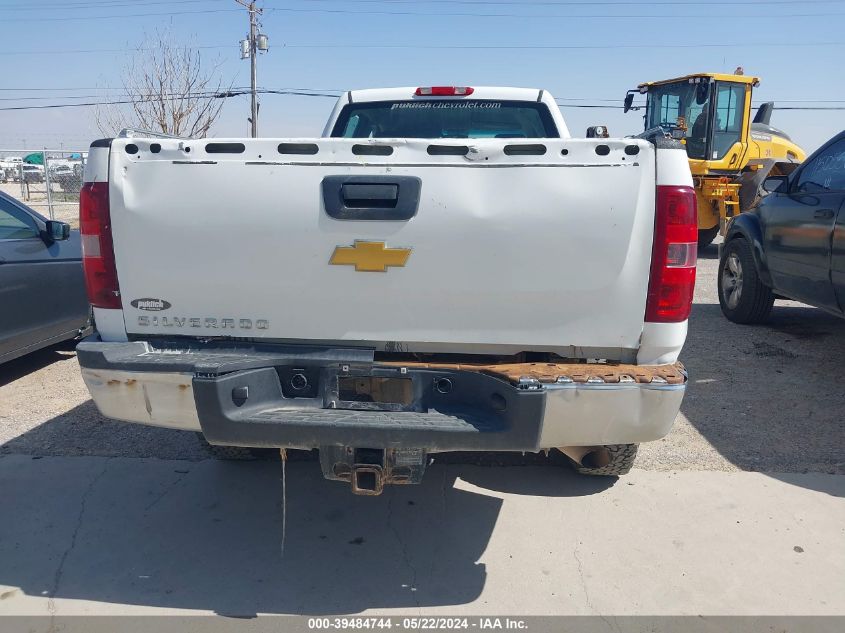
172	321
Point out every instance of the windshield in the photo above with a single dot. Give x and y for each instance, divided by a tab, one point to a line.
682	105
441	118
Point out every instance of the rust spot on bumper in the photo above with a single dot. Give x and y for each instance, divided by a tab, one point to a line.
673	374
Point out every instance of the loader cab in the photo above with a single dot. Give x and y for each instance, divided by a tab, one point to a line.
710	114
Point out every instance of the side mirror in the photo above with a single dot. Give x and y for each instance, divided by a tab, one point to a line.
629	101
57	231
775	184
598	131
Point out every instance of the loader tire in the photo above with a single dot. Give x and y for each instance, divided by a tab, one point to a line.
706	237
742	296
622	458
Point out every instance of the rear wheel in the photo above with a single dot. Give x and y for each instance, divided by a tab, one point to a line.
742	296
614	460
706	236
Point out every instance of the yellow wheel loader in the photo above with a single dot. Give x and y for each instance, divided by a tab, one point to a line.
729	154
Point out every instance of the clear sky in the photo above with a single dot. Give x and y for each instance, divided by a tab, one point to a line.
584	52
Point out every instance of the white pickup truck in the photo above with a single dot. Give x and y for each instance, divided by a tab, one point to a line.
446	269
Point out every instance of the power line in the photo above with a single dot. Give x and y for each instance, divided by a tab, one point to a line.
334	92
107	4
587	3
151	96
563	46
113	89
304	92
119	16
58	89
117	4
107	50
99	103
459	47
121	88
68	6
221	95
602	16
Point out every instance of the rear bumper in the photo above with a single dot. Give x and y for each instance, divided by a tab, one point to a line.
238	395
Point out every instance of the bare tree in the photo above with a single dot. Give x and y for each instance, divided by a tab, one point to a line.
168	88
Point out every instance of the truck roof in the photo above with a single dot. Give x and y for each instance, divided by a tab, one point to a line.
490	93
479	92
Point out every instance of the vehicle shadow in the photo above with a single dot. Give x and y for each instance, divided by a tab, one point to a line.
768	397
20	367
82	431
208	535
533	474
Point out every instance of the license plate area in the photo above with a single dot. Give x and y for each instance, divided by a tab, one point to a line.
380	393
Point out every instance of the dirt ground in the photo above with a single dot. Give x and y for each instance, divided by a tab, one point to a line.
760	398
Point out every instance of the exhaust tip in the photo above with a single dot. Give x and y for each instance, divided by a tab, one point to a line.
596	459
587	456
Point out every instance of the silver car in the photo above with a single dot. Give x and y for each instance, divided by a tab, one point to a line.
42	287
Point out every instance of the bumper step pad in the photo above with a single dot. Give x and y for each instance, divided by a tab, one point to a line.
480	413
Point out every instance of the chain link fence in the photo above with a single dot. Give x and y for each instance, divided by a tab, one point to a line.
46	180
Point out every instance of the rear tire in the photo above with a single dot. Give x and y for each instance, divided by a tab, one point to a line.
621	456
742	296
706	237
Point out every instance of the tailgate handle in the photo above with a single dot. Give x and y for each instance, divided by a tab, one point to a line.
371	197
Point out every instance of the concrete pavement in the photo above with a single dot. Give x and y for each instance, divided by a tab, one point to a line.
85	535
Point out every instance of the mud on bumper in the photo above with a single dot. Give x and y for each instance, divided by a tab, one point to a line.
309	397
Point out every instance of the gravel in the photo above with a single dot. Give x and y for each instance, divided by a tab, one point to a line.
761	398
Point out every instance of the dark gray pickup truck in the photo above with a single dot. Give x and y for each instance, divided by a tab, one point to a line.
792	244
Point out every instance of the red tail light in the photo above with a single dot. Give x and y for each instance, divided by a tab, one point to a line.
445	91
97	248
673	256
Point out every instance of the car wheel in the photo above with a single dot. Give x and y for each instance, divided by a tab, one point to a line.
742	296
613	461
706	237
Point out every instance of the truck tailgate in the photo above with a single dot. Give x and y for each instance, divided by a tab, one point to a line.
517	245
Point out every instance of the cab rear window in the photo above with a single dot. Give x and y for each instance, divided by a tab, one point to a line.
445	118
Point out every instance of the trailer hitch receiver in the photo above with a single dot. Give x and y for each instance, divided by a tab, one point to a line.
367	479
369	470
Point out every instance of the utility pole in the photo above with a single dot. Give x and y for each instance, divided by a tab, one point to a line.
250	47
